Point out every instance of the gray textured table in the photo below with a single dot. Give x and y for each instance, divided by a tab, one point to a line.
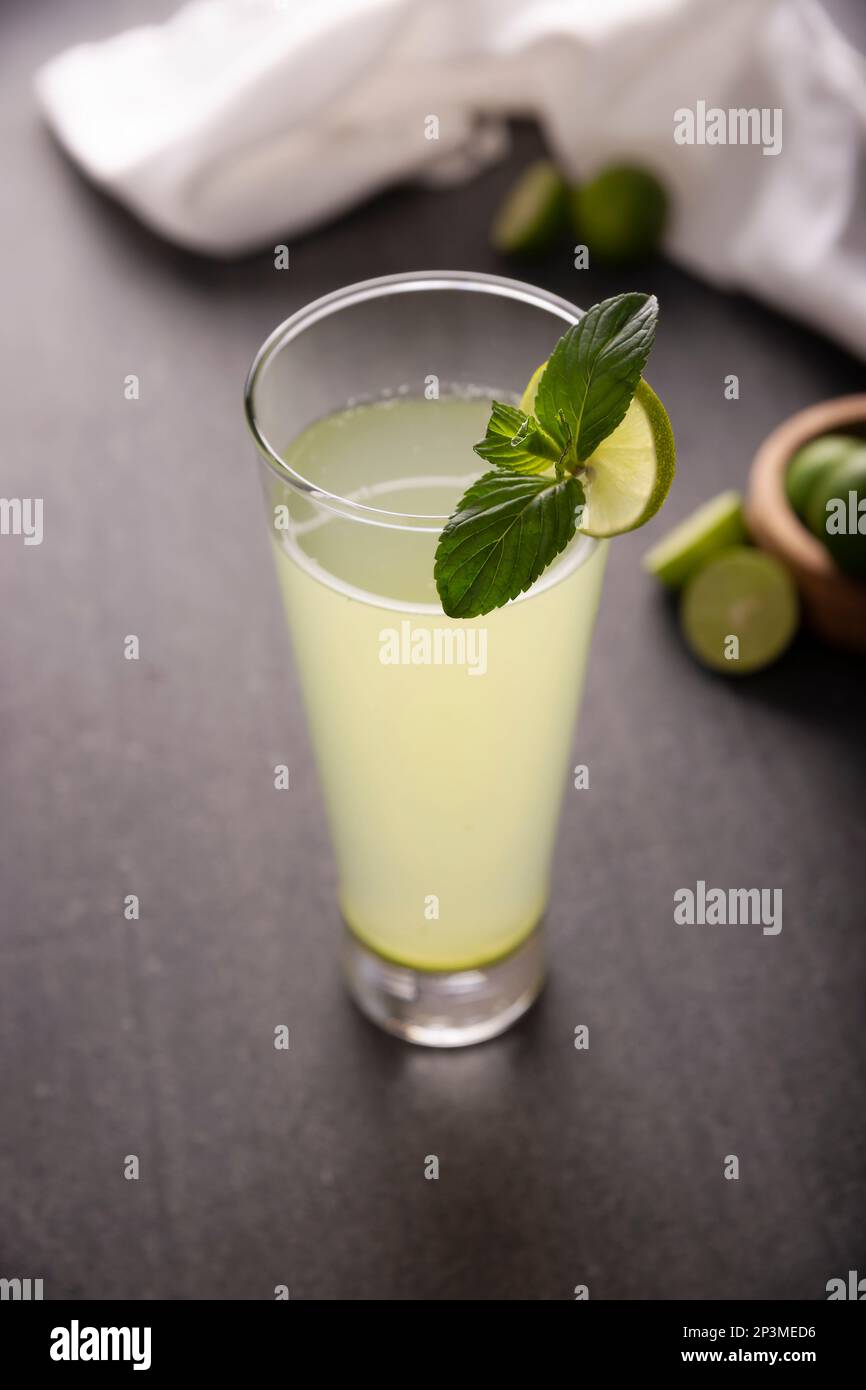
155	1038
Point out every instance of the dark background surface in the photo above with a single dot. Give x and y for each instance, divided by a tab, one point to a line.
156	778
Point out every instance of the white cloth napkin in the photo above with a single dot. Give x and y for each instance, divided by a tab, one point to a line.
242	122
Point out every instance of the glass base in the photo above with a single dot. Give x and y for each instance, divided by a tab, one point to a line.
444	1008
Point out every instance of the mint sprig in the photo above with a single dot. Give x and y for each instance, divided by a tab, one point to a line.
506	530
513	522
514	440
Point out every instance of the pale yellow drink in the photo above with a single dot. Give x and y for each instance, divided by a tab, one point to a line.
443	746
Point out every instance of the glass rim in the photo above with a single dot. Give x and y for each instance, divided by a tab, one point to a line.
360	292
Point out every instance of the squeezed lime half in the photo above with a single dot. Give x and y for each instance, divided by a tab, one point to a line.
715	526
534	212
740	611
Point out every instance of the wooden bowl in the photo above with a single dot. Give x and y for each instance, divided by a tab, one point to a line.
833	604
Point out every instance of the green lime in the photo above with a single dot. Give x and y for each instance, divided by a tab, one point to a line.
807	465
836	513
715	526
534	213
739	612
620	214
629	476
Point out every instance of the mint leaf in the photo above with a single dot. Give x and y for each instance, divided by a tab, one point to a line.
507	528
514	440
594	370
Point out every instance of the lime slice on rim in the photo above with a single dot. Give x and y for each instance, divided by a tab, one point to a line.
534	212
527	400
745	594
629	476
810	462
715	526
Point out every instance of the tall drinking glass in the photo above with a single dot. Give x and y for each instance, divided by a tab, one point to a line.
442	745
